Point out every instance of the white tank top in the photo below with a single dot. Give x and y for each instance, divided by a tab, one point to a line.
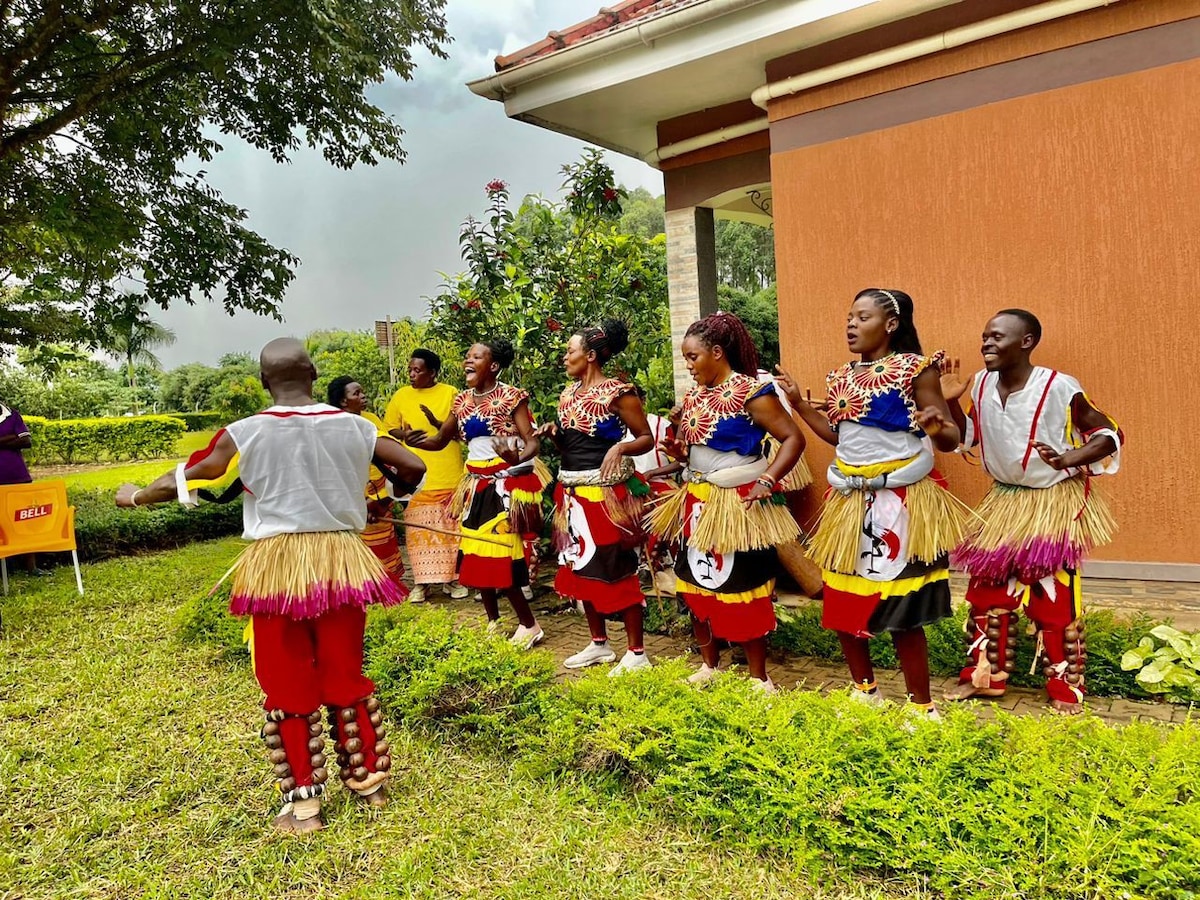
305	468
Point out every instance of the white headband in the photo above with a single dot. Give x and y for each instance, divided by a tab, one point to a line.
895	302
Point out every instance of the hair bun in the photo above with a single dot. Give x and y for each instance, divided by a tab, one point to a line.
502	352
617	333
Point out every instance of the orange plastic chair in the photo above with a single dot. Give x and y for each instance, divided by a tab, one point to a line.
36	518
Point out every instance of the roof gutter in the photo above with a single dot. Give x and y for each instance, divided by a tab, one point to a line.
955	37
639	33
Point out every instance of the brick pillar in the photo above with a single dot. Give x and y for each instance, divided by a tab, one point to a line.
691	278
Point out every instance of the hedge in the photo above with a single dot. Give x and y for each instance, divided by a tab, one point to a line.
201	421
1023	807
104	531
97	440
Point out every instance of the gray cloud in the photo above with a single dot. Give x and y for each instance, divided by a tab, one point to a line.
373	241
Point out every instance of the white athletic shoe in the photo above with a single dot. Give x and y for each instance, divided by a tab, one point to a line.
526	638
630	662
456	591
703	675
417	594
872	697
591	655
764	687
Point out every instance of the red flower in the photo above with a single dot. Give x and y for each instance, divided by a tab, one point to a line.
454	307
610	194
554	324
474	304
495	186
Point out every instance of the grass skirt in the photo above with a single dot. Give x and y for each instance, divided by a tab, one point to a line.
1034	532
306	575
937	522
725	524
524	492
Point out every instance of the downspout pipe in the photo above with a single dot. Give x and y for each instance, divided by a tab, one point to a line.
947	40
502	84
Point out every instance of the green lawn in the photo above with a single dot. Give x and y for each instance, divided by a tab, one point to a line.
133	768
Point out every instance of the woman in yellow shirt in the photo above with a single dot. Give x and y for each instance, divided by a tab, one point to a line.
422	406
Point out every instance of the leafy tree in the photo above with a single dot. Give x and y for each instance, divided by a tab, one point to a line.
745	255
107	107
132	335
239	396
760	312
48	361
643	213
537	277
189	388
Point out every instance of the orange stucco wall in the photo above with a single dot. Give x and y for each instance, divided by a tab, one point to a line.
1081	204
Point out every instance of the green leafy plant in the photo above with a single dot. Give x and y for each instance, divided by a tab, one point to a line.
538	275
1167	661
95	440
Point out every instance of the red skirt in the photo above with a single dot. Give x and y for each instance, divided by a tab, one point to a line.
597	558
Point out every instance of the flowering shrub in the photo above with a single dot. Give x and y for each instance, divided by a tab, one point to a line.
538	275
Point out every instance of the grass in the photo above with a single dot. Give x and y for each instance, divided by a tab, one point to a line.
134	769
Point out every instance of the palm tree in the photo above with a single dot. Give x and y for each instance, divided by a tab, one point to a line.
133	335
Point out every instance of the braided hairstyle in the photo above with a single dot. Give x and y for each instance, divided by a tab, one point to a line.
727	331
502	351
607	339
335	394
899	306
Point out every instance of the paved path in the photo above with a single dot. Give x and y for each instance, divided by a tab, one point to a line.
567	633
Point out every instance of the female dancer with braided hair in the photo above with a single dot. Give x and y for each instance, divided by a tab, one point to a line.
500	495
731	514
887	527
599	498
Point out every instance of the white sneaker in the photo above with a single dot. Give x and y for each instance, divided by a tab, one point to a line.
417	594
630	662
703	675
919	712
764	687
591	655
456	591
527	638
873	697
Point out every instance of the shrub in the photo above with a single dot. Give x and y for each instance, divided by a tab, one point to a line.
104	531
1108	638
200	421
96	440
1022	807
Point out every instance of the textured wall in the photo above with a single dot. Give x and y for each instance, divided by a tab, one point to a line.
1081	204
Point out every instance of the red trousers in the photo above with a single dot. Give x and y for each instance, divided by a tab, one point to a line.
1055	613
304	664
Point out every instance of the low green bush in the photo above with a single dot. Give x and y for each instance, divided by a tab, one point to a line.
103	531
201	421
205	619
99	440
1108	638
1022	807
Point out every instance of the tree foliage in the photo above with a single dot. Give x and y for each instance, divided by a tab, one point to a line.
745	255
538	276
105	107
643	213
760	312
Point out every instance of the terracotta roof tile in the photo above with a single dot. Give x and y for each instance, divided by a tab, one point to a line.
609	18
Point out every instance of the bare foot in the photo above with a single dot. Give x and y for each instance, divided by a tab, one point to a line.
1066	709
966	690
377	799
289	824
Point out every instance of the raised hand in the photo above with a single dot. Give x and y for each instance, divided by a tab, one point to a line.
1050	456
674	448
954	383
931	420
788	384
547	429
433	420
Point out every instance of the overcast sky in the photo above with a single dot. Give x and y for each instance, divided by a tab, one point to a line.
373	240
